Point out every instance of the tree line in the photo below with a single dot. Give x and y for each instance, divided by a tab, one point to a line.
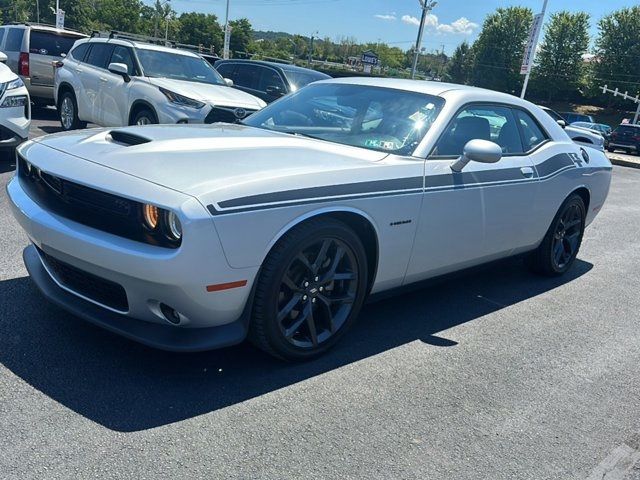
567	67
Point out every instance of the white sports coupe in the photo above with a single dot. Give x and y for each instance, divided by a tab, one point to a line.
189	237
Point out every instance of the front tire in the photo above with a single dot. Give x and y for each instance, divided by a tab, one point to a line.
559	248
310	290
144	117
68	112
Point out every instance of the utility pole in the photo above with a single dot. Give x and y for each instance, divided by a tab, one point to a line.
626	96
227	34
427	6
530	51
310	57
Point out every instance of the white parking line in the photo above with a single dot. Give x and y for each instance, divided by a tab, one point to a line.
617	465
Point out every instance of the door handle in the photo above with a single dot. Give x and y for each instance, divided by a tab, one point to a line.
103	79
527	171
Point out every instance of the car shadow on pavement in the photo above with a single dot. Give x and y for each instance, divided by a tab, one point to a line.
127	387
7	162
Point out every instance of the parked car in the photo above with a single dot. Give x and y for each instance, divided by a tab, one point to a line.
581	136
267	80
31	51
599	128
572	117
191	238
625	137
119	82
15	108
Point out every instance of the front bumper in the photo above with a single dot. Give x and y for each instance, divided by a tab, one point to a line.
150	276
164	337
623	146
14	121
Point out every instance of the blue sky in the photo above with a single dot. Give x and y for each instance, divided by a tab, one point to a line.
391	21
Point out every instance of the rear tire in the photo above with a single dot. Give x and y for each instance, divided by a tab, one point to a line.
310	290
68	112
559	248
144	117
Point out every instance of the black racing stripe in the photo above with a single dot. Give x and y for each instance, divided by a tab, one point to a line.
396	184
470	178
555	163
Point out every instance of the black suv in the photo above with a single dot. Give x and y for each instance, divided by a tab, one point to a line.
266	80
625	137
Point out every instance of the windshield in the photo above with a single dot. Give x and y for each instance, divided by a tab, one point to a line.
382	119
177	67
299	78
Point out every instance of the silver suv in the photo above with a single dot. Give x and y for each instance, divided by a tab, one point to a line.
32	50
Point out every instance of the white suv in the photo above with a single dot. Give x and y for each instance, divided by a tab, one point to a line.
115	82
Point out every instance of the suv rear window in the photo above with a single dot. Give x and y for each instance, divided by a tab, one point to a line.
50	43
14	39
628	129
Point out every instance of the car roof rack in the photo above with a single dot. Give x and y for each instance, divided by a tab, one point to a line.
136	37
49	25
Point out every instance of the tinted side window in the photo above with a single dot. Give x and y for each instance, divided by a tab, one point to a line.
1	35
226	70
270	78
246	76
79	52
484	122
532	134
123	55
14	39
49	43
99	55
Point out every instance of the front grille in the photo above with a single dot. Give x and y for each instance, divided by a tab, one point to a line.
88	206
104	292
227	114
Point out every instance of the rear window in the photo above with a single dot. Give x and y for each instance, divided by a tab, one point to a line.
50	43
14	39
628	129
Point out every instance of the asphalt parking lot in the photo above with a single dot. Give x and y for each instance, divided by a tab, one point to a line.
496	375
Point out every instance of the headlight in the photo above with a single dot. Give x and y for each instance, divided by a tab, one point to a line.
174	228
13	84
14	101
181	99
151	216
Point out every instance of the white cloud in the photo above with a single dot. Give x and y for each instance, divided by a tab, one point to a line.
462	26
389	17
409	20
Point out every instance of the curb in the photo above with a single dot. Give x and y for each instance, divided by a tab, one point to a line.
624	163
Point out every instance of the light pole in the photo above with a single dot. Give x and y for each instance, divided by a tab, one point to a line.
427	6
166	27
310	58
227	35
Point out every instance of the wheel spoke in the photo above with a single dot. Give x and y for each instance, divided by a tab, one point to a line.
311	324
558	249
290	284
304	261
346	298
286	310
344	276
295	326
322	256
572	240
573	223
331	273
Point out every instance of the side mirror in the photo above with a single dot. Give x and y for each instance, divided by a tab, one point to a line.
120	69
229	82
481	151
562	123
274	91
3	57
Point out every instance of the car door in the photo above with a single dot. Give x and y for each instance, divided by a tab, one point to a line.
247	78
93	76
481	213
114	91
271	85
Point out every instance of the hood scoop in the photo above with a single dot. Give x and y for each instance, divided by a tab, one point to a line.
126	138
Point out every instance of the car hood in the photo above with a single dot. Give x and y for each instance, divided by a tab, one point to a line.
574	131
6	75
220	95
215	161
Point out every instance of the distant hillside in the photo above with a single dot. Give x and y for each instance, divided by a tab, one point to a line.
269	35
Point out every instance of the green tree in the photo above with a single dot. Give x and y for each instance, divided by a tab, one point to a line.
560	68
460	64
499	49
618	52
201	29
241	35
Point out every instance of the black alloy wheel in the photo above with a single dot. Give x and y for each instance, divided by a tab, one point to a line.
310	290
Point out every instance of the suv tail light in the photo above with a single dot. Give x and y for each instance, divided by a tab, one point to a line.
23	64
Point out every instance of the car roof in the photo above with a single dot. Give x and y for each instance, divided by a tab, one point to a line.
46	28
141	45
283	66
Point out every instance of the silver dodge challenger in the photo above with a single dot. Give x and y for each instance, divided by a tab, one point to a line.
194	237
